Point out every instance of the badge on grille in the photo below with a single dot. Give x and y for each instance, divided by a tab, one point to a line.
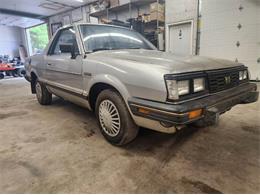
227	80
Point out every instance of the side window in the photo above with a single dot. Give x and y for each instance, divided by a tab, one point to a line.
66	36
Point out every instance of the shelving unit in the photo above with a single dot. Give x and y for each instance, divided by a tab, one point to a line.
131	4
152	26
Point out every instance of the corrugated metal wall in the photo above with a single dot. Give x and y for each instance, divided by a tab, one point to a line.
10	40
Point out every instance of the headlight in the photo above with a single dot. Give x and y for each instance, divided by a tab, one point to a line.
199	84
245	74
177	88
242	75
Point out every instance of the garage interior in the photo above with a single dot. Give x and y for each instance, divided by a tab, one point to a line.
59	148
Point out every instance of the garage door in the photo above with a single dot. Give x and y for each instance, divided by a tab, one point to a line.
231	30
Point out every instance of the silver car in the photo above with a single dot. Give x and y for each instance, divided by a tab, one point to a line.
118	74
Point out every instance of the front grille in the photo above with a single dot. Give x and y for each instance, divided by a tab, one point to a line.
222	80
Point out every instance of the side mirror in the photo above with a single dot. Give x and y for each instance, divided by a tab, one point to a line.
69	48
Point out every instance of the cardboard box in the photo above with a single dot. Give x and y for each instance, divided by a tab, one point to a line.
94	8
154	7
114	3
157	16
146	18
105	21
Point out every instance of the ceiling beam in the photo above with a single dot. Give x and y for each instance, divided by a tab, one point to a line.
22	14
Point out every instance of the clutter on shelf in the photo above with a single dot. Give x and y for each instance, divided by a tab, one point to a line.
146	17
11	66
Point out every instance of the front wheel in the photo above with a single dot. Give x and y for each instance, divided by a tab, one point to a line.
116	123
44	97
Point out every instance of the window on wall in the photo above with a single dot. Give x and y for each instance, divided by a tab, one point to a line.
37	38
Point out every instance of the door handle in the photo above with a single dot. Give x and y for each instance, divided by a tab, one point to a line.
49	64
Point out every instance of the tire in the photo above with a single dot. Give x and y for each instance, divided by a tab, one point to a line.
2	76
14	73
21	72
7	73
114	119
44	97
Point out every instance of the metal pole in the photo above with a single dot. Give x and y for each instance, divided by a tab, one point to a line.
157	14
130	13
130	9
157	25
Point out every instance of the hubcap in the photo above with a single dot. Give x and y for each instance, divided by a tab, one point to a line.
109	118
38	90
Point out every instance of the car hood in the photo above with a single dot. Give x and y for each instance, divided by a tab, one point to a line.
166	62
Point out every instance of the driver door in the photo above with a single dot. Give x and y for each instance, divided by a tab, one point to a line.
62	71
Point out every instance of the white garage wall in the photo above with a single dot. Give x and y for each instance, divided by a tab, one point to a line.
10	40
258	41
60	17
177	11
220	33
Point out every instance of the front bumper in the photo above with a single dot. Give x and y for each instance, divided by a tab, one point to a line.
211	106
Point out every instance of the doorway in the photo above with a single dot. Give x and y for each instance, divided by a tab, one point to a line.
180	38
37	38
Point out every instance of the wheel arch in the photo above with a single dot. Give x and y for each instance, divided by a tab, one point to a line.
33	81
103	82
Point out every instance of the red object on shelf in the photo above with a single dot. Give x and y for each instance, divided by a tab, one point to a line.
6	67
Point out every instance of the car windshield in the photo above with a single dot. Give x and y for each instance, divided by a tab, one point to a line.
99	37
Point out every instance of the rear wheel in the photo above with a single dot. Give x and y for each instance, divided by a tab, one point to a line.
116	123
44	97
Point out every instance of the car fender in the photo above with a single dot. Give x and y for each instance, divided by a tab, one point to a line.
33	71
112	81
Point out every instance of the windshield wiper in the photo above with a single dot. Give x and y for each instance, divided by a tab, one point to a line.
134	48
105	48
139	48
101	49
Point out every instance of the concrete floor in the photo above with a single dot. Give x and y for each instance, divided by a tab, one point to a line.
58	149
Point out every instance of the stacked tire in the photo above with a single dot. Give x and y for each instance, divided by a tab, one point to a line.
19	72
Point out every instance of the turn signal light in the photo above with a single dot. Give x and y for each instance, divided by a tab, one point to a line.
144	111
195	114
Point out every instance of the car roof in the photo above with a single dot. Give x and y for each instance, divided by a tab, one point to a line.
90	24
